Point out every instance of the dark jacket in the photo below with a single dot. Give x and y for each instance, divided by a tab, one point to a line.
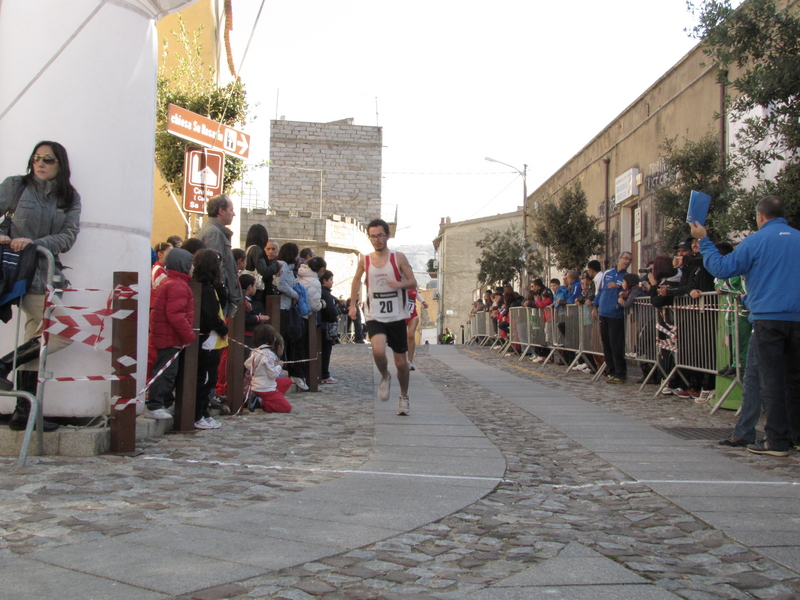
209	314
328	314
257	261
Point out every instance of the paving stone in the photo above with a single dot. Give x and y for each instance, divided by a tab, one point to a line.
558	504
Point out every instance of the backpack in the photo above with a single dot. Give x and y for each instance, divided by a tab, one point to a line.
302	300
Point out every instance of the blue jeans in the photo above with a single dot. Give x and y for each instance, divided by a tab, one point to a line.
751	397
778	345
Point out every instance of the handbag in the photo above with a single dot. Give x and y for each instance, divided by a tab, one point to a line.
5	226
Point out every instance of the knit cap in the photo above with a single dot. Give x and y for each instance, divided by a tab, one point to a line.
178	259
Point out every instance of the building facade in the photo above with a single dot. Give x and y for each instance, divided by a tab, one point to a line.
458	268
621	167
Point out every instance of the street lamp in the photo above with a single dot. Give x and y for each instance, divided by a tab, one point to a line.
524	174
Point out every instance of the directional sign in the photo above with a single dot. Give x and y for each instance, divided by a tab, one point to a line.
203	170
202	130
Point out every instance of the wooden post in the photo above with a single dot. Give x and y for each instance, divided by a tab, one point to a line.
124	339
186	392
234	390
272	306
314	352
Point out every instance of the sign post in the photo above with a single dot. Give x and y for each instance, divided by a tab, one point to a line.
211	134
203	172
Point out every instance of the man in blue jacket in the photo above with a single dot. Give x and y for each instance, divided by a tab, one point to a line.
768	260
612	319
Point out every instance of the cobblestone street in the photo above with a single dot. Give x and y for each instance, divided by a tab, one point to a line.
555	494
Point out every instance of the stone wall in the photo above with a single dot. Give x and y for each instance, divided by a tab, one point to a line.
342	159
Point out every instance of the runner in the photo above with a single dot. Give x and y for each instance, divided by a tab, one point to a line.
388	277
411	322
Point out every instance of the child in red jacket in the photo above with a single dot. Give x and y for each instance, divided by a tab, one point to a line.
171	321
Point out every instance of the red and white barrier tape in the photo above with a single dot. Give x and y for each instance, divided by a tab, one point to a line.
121	403
89	378
286	362
70	326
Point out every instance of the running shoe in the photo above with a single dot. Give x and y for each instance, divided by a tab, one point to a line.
330	380
203	424
300	383
158	414
403	407
384	388
411	366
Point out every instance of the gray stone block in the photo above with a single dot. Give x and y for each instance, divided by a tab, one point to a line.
170	572
24	579
258	551
589	592
83	442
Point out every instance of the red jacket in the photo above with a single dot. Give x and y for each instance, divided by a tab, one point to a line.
172	314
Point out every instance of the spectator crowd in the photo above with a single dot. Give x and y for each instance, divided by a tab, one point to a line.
760	324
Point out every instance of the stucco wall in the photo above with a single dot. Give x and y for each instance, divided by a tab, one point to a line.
682	103
458	268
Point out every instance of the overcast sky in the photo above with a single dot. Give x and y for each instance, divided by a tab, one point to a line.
524	82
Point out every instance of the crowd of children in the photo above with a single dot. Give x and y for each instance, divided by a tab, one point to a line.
304	284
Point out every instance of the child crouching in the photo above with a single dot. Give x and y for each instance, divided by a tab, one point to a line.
268	379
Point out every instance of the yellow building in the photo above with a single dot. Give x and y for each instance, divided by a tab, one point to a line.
208	17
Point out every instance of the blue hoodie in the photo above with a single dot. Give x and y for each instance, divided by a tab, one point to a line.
606	298
768	259
558	295
574	291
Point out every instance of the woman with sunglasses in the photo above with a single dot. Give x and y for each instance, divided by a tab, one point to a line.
47	213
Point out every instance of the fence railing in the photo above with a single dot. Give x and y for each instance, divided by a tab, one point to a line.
669	342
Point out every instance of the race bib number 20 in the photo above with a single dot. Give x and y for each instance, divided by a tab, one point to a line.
387	304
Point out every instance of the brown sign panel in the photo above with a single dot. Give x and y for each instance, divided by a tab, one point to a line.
203	171
202	130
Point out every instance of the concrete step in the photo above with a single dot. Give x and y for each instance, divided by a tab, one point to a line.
71	441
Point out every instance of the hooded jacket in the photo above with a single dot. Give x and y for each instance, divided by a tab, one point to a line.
38	218
172	313
768	260
310	280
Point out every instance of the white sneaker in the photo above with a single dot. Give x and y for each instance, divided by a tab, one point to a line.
705	396
213	422
171	410
158	414
403	407
411	367
203	424
330	380
384	388
301	383
538	359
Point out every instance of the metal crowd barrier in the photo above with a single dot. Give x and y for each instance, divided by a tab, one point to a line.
670	341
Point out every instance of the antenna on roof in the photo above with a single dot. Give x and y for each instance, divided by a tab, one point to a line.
377	123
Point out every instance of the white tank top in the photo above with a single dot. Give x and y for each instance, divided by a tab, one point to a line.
384	303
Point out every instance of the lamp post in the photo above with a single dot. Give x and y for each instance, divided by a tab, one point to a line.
524	174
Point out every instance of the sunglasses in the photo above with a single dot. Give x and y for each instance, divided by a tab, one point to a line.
48	160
